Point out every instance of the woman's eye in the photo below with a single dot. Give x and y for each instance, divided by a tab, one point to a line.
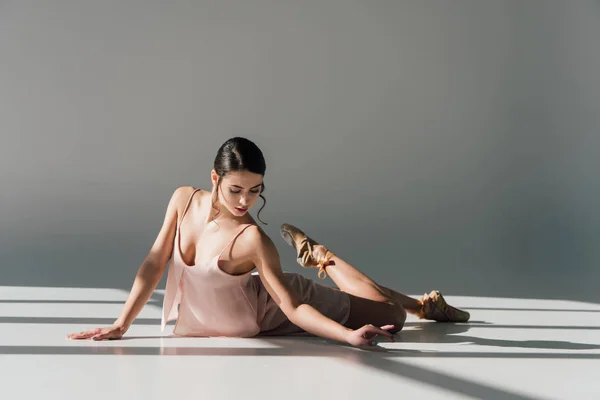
239	191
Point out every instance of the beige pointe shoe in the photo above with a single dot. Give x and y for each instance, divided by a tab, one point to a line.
310	254
436	308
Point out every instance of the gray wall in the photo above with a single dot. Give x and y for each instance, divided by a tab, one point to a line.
434	144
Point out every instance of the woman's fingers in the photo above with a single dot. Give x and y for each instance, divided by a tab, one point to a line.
381	331
385	333
85	334
365	335
371	332
82	335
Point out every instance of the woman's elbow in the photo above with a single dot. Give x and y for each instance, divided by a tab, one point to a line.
290	307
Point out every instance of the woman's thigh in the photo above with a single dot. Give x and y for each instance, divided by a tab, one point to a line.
364	311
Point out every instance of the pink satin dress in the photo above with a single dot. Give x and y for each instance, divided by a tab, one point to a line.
206	301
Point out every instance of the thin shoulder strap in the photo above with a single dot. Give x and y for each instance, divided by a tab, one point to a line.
234	237
186	208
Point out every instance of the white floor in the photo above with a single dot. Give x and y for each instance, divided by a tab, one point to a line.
514	348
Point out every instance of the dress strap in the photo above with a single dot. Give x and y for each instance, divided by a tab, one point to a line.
234	237
186	207
178	237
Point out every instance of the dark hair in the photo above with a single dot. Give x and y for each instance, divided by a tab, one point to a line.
240	154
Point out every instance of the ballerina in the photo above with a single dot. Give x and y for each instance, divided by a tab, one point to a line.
211	245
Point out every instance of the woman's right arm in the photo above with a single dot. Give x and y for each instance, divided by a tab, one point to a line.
147	277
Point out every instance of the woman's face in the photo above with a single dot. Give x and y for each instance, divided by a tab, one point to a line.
238	190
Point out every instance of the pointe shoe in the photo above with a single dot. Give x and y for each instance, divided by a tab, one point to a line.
309	254
436	308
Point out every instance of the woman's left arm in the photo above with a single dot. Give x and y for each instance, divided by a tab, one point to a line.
266	259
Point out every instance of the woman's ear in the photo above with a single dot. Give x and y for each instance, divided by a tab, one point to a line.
214	177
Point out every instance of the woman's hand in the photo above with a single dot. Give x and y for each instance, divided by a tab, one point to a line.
364	336
111	332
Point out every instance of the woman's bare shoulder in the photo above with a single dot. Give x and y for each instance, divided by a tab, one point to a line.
188	190
258	239
182	194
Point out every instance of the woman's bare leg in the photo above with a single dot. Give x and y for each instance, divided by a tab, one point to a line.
350	280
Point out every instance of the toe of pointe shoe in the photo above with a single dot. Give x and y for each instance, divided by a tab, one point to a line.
441	311
285	234
300	242
309	254
290	234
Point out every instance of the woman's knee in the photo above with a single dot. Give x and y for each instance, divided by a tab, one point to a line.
399	319
365	311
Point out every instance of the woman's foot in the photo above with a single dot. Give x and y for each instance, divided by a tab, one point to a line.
436	308
308	252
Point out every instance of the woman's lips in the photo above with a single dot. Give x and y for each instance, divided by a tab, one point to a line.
241	209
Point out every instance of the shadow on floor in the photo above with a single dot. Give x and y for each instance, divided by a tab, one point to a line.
431	332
